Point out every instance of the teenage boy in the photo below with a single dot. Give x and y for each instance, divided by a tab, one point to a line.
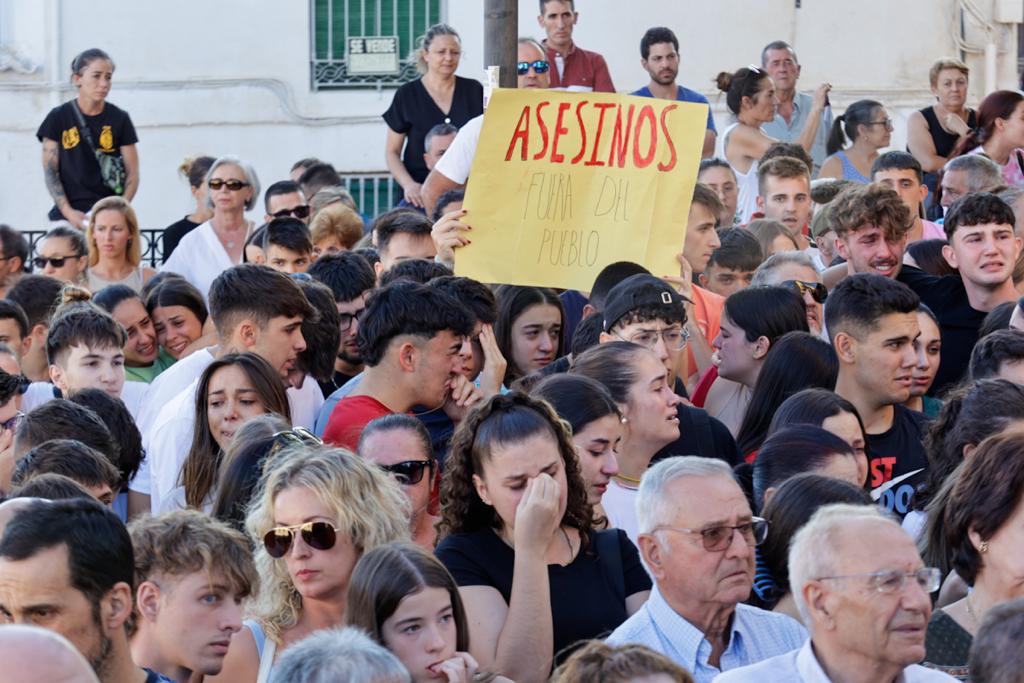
983	248
901	172
999	355
287	247
192	573
732	265
350	279
573	68
873	324
784	195
283	199
37	295
871	223
67	565
402	234
268	324
645	310
411	337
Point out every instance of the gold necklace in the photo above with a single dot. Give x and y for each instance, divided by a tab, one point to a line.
629	480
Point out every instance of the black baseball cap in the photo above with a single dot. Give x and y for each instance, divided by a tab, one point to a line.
642	291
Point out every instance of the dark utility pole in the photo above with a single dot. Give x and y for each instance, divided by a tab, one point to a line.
501	28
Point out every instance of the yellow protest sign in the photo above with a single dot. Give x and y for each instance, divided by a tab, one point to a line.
563	183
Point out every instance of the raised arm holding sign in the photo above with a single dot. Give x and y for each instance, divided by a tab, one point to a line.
564	184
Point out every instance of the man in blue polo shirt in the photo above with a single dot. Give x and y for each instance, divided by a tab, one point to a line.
659	55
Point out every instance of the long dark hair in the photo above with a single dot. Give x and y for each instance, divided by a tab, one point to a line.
799	360
512	301
178	292
857	114
504	419
388	574
792	506
578	400
970	414
242	467
767	312
792	451
997	105
812	407
202	465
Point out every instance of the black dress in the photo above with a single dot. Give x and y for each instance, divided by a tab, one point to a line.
588	596
413	112
944	143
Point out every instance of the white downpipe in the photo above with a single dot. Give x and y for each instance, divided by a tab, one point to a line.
991	72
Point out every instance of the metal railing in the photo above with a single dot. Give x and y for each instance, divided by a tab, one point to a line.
152	245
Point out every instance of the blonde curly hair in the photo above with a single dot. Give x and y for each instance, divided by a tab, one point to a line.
365	501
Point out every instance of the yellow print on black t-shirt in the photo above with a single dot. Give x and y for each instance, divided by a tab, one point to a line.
69	138
106	140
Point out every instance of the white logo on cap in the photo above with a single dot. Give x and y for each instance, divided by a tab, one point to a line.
666	298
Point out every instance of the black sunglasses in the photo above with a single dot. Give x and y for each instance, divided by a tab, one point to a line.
55	261
817	290
317	535
301	211
409	472
539	67
233	185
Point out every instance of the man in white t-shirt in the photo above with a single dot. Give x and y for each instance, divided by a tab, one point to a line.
269	325
452	171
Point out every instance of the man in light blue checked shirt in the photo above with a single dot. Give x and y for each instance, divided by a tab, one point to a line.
697	538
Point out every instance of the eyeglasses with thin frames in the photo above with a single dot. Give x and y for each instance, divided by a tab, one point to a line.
891	581
317	535
718	538
675	338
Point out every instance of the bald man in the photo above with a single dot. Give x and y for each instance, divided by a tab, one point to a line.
34	655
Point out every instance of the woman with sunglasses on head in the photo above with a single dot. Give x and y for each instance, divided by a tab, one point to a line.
77	134
750	95
869	129
317	510
438	97
218	244
400	445
517	535
406	600
232	389
115	247
179	315
62	253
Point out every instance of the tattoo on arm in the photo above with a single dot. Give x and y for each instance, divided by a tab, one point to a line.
51	172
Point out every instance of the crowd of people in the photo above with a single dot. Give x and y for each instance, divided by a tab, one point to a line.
305	449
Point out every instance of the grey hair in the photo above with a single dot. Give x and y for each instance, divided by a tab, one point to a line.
1011	195
983	174
777	45
526	40
339	654
812	550
652	503
996	655
247	170
763	274
441	129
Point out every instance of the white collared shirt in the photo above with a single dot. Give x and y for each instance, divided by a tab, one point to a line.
802	666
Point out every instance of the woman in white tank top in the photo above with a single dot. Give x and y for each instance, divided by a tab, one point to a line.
114	246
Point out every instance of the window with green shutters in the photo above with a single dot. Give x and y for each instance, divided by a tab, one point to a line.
384	25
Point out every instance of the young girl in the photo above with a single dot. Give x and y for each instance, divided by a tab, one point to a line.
143	358
530	329
405	599
179	314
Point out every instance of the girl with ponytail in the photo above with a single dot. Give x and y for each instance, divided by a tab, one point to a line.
868	127
999	134
750	95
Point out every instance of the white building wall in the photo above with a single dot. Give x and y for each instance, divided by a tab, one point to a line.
233	76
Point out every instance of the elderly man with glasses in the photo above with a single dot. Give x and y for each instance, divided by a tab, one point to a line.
863	592
697	539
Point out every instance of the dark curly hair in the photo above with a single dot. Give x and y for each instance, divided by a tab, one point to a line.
504	419
873	204
977	208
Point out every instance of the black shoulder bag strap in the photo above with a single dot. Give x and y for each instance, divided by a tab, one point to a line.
86	133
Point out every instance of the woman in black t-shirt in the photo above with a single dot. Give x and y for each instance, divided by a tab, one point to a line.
194	170
438	97
534	575
70	167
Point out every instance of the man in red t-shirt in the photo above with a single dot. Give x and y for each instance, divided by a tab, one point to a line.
410	338
572	68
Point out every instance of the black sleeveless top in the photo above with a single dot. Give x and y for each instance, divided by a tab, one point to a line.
944	141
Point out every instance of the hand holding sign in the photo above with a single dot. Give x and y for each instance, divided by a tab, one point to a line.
563	184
